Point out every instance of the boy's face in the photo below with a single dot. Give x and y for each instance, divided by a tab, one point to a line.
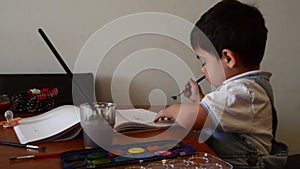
212	67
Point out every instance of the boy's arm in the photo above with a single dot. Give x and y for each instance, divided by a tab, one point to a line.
190	116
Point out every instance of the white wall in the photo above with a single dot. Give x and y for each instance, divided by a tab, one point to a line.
70	23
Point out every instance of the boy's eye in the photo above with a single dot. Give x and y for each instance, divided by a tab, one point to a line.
203	63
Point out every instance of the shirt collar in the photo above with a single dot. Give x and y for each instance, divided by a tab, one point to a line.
254	72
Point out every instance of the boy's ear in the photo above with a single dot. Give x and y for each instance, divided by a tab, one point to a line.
229	58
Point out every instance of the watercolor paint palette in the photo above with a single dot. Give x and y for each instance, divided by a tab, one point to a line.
124	154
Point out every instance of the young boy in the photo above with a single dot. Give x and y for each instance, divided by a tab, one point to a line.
240	109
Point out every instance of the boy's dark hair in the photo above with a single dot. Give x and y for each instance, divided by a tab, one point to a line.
232	25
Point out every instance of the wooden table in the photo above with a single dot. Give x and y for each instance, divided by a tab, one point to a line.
7	134
6	152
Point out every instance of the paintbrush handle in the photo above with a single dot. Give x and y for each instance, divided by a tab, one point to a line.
197	81
21	145
12	144
200	79
46	155
36	156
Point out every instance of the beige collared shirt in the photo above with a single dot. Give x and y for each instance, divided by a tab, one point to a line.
242	106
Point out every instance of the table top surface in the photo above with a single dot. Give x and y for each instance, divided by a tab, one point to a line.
8	134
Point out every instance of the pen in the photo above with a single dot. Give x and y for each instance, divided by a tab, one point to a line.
36	156
22	145
197	81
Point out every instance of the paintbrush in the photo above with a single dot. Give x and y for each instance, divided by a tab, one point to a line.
197	81
36	156
22	145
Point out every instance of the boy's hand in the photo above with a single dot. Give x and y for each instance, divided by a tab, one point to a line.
186	115
193	91
168	113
